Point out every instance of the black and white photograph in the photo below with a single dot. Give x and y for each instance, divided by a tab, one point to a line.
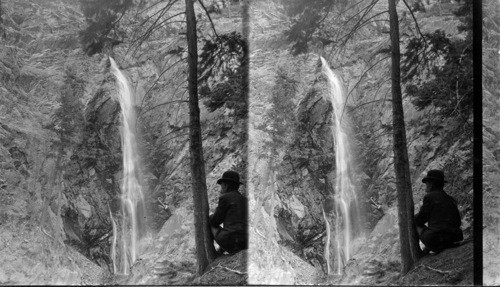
250	142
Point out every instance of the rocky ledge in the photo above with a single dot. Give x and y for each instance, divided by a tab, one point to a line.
226	270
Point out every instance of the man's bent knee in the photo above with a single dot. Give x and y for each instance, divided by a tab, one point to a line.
232	243
215	231
435	241
420	229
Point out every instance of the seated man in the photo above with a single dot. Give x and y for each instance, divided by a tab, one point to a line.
232	212
440	212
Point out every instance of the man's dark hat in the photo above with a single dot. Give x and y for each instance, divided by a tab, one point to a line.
434	174
231	176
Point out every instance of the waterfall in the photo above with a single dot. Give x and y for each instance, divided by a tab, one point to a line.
345	215
130	217
328	239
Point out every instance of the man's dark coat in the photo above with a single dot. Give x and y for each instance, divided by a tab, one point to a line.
440	212
232	211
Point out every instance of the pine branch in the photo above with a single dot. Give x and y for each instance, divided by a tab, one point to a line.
359	81
416	23
261	235
165	103
45	232
156	81
359	25
375	95
231	270
434	269
365	10
209	18
149	7
155	25
352	7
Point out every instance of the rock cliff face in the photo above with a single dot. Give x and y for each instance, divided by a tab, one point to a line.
491	140
60	152
39	46
291	164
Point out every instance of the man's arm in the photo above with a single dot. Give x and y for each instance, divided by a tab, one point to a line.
423	215
220	212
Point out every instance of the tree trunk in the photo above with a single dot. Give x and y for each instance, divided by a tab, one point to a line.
410	250
205	251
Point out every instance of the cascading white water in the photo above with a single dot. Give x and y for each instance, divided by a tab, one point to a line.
131	216
346	212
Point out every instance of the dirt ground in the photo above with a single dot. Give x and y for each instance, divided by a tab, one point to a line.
226	270
453	266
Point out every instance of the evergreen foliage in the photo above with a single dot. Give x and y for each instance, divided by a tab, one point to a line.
221	73
68	117
280	122
222	82
438	70
418	6
282	117
94	152
102	19
297	130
